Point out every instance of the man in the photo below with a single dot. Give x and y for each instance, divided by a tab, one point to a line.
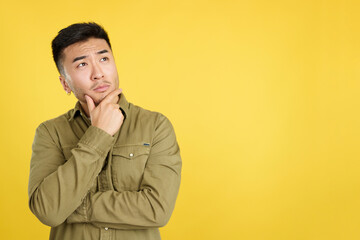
106	169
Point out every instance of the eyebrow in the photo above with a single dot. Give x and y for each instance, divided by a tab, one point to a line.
82	57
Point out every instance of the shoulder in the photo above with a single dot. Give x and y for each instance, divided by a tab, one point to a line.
157	123
58	121
147	116
52	126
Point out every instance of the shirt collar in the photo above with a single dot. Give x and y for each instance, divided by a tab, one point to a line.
123	103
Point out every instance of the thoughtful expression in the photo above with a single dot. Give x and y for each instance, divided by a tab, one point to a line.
89	69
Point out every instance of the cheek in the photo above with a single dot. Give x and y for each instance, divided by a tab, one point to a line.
111	70
80	80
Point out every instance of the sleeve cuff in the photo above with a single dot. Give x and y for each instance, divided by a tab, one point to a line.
98	139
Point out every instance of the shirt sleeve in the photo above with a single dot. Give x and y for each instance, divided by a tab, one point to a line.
56	186
153	204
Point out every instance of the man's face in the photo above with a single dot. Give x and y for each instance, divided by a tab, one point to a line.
89	69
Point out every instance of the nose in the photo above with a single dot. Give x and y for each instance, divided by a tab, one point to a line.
96	72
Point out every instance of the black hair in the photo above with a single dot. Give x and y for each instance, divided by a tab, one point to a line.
74	33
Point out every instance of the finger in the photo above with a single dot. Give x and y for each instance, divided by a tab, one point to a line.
90	103
116	106
112	95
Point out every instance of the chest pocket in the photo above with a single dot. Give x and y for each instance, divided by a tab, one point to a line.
128	165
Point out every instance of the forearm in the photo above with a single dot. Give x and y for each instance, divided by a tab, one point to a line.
126	210
149	207
55	193
142	209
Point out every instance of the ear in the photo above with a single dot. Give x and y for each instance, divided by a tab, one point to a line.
64	84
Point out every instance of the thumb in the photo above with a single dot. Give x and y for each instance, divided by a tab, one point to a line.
90	103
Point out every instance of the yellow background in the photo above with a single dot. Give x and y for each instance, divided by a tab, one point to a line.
263	95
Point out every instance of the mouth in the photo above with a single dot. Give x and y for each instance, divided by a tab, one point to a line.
101	88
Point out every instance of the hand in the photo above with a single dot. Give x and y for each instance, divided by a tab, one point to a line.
107	115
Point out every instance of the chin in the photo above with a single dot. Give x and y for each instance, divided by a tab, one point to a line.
97	100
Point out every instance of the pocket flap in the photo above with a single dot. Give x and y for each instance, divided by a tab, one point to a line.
131	152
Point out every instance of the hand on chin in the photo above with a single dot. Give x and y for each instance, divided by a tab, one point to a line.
99	97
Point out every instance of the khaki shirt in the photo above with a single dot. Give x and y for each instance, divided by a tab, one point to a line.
87	184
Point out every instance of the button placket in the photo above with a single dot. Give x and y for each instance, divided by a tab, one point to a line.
105	234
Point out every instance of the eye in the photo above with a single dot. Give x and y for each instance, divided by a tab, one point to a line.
81	64
104	59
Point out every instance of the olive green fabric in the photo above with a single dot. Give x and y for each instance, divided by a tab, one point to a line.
87	184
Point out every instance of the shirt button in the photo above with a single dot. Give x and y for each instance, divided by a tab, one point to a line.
131	154
106	228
